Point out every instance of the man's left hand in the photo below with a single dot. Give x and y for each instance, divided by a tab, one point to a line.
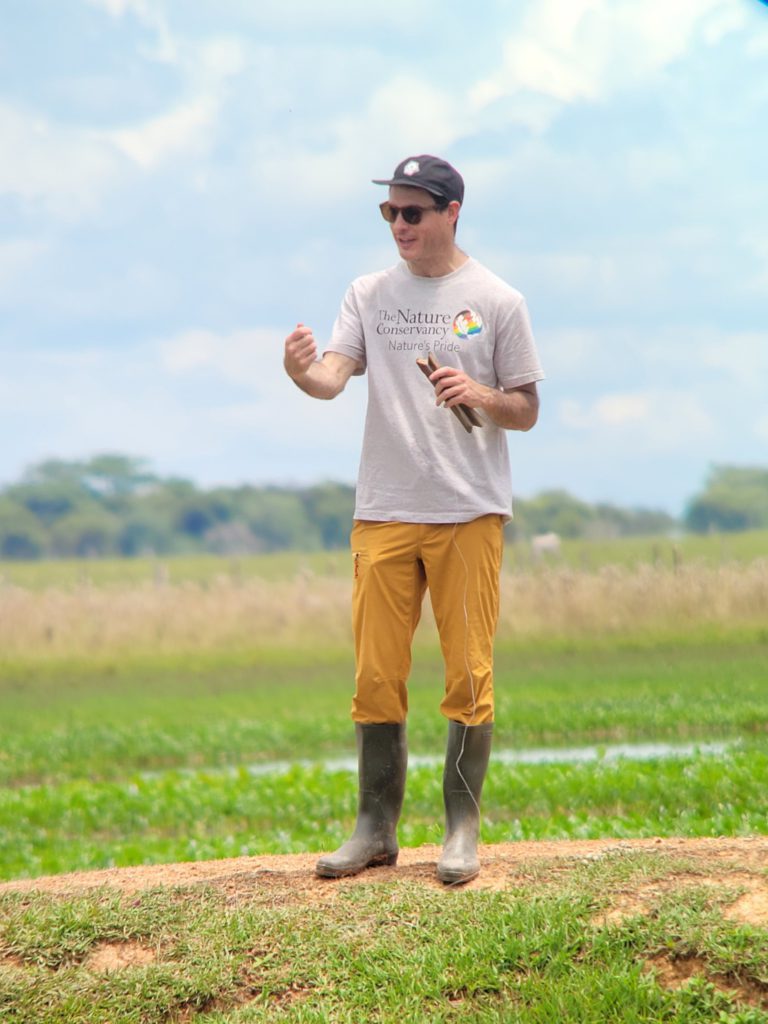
454	387
516	409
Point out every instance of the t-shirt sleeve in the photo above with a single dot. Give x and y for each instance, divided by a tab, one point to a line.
348	337
516	360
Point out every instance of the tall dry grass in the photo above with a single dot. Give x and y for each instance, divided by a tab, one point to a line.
159	617
646	599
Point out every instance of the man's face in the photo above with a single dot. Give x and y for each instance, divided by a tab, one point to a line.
432	236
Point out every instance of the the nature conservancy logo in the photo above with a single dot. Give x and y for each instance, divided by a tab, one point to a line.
410	322
467	324
410	330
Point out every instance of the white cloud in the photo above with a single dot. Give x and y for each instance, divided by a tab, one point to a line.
342	16
16	256
607	411
416	112
167	135
251	359
572	352
757	244
149	13
238	358
70	169
180	402
741	357
119	8
758	42
87	400
66	169
672	351
187	127
663	420
572	50
419	117
219	57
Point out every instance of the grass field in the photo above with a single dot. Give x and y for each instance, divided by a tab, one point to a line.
151	716
550	950
135	714
588	555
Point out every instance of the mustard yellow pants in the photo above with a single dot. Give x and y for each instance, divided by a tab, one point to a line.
393	565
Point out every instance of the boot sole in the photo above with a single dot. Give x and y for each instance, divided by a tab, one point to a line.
329	871
456	877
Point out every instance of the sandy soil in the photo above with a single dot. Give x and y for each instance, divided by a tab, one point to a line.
716	862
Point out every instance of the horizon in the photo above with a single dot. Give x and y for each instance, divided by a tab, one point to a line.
144	464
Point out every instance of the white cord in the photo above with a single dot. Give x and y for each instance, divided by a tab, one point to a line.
470	675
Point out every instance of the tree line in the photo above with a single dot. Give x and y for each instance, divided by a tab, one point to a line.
114	505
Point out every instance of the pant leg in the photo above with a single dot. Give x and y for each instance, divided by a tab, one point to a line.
388	589
462	564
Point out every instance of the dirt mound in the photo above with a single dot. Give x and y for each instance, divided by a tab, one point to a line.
718	862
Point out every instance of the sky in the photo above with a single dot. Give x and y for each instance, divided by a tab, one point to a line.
182	182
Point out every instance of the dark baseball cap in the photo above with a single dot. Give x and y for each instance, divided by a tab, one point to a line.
430	173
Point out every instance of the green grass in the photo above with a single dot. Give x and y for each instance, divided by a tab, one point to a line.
98	572
143	759
70	720
201	815
146	761
708	549
241	953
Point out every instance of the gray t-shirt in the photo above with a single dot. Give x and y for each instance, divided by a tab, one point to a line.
418	464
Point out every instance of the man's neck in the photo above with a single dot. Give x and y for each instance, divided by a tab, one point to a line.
440	266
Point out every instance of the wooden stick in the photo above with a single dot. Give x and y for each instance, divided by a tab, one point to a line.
466	416
427	367
468	411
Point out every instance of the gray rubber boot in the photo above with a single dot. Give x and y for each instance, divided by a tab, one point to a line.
466	762
382	759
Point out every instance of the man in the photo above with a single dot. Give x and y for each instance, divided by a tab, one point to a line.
433	493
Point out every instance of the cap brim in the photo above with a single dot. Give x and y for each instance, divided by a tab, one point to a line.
410	183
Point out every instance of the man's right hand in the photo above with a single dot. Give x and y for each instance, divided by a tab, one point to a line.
300	351
320	378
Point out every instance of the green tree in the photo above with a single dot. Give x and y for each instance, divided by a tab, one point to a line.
278	519
21	535
142	534
87	533
116	479
199	512
330	508
555	512
55	471
158	513
55	488
612	521
734	498
49	501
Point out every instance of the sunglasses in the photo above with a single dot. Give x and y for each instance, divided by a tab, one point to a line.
410	214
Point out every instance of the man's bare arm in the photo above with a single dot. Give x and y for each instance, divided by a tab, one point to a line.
516	409
325	378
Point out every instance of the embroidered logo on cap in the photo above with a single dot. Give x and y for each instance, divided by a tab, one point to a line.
467	324
412	167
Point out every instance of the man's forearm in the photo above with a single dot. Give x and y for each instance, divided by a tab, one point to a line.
319	378
512	410
319	382
516	409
